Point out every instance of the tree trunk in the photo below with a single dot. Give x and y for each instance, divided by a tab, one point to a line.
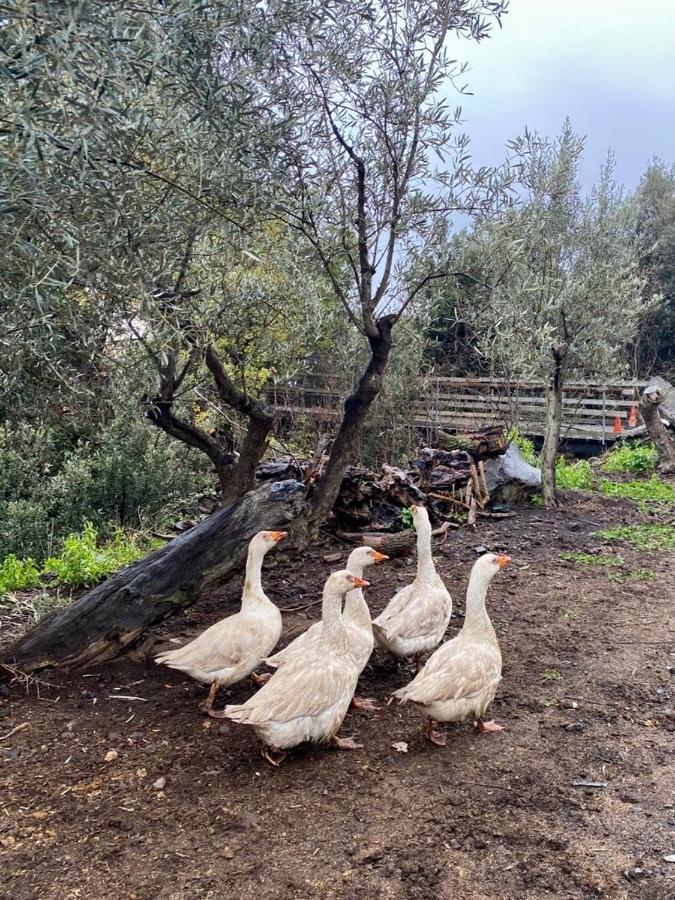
103	623
658	434
554	406
344	447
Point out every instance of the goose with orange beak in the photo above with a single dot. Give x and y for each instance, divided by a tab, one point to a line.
414	621
356	619
308	697
460	679
232	648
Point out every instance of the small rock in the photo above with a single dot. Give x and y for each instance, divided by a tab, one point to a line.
224	729
668	712
114	737
111	756
160	784
4	690
370	854
570	704
227	852
575	727
400	746
5	712
479	551
670	858
637	873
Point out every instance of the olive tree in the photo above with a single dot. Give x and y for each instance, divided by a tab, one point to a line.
374	162
562	294
133	142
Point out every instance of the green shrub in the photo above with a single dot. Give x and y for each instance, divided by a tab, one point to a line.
525	445
83	562
591	559
126	473
18	574
638	459
642	537
653	489
577	476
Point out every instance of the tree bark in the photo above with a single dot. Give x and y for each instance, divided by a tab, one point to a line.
554	406
345	444
103	623
658	434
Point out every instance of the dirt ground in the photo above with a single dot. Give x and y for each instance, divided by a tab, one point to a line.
188	809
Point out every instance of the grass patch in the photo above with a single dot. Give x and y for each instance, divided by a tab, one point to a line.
642	537
635	459
591	559
82	562
577	476
633	575
651	490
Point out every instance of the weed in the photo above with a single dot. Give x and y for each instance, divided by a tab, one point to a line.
525	446
591	559
407	518
632	575
638	459
652	490
552	675
571	615
642	537
18	574
577	476
83	563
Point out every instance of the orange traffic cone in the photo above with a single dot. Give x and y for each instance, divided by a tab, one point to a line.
618	427
632	416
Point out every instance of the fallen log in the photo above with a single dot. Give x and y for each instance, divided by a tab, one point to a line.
401	543
485	443
103	623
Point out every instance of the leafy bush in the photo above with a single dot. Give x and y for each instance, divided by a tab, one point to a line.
525	445
576	476
124	474
638	459
18	574
642	537
83	562
653	489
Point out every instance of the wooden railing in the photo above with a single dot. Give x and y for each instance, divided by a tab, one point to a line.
463	404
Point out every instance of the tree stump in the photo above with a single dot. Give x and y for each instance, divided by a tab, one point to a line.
103	623
658	434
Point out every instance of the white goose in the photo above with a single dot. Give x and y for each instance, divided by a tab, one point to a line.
460	679
308	697
232	648
356	619
415	619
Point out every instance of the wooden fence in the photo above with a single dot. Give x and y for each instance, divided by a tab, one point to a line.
463	404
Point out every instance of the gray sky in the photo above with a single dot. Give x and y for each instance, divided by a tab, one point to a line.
608	64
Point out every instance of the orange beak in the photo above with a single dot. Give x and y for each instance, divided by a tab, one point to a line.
379	557
413	507
278	535
360	582
503	561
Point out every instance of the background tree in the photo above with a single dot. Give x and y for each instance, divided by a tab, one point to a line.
655	229
567	298
373	165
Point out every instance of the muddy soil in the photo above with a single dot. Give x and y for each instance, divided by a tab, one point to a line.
106	796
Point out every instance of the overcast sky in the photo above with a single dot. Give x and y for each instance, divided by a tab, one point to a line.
607	64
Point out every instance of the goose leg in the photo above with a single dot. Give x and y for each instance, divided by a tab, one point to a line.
433	735
365	703
487	727
207	705
345	743
260	679
274	757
